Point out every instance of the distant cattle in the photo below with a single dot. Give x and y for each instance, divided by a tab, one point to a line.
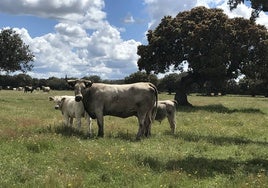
167	108
19	88
71	109
123	101
45	89
28	89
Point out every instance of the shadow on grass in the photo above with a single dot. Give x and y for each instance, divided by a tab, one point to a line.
67	131
221	140
126	136
202	167
218	108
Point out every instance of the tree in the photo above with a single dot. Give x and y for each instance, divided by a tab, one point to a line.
141	77
169	82
257	6
56	83
14	54
93	78
216	48
23	80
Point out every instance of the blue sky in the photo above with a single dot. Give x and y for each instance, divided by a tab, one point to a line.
93	37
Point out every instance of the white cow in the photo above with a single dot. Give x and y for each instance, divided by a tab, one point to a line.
123	101
167	108
71	109
46	89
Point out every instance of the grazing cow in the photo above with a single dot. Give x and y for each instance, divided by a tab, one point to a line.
19	89
123	101
167	108
45	89
28	88
71	109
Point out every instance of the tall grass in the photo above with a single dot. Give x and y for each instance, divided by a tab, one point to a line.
221	142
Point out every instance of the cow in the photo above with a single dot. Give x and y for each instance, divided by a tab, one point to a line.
167	108
45	89
71	109
28	88
123	101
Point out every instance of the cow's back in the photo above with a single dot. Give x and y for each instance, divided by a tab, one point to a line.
119	100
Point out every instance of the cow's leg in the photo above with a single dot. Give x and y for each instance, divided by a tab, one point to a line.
172	122
100	125
71	121
148	123
78	121
66	120
141	119
89	122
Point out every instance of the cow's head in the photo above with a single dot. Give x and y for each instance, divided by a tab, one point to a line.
58	100
79	87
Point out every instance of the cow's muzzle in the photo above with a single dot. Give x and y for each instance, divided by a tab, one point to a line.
78	98
57	107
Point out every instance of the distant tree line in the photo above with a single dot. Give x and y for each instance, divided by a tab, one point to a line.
168	83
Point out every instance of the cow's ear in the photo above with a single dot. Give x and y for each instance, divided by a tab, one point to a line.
71	82
63	99
51	98
88	83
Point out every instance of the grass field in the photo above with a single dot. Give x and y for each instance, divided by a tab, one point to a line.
221	142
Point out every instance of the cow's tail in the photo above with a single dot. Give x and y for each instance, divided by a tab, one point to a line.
154	111
176	104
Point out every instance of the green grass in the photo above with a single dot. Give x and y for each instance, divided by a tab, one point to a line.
221	142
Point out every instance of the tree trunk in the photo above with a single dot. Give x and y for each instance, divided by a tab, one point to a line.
181	98
183	84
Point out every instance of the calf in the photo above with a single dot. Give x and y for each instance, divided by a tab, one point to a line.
71	109
167	108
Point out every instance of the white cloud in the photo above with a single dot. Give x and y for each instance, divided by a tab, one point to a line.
209	3
129	19
157	9
263	19
83	44
243	11
75	10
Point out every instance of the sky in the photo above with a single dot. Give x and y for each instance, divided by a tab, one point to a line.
81	38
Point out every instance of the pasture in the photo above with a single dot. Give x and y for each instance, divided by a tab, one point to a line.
221	142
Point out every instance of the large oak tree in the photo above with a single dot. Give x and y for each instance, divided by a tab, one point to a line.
15	55
216	48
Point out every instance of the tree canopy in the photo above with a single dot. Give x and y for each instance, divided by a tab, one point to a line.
216	47
14	53
140	77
